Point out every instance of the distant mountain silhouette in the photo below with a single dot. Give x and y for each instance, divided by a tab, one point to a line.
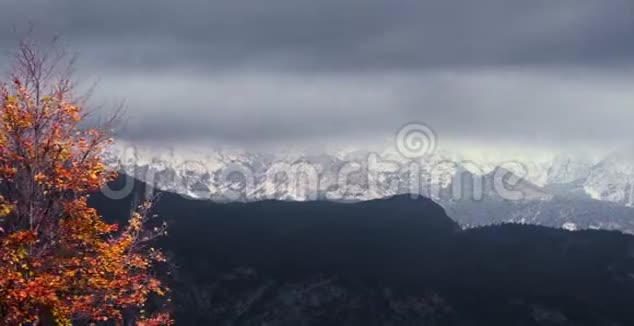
397	261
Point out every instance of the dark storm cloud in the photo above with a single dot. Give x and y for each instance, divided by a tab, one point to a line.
335	34
553	71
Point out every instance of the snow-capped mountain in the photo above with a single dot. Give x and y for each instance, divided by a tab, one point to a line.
340	175
567	169
612	180
553	190
361	175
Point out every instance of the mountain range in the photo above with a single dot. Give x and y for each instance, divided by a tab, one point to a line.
389	261
572	192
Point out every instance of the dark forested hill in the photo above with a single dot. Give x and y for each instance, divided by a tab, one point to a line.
398	261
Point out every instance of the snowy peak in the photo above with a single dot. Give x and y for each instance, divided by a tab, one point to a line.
351	175
612	180
567	169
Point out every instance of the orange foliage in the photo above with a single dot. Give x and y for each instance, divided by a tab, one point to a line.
60	263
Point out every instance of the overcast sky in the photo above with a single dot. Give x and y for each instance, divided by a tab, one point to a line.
554	72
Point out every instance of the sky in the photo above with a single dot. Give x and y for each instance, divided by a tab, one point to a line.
551	73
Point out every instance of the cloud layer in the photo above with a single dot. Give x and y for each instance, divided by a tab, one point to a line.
548	72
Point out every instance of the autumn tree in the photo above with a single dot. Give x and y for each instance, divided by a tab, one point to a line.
60	262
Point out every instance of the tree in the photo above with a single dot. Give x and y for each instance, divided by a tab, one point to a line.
60	262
